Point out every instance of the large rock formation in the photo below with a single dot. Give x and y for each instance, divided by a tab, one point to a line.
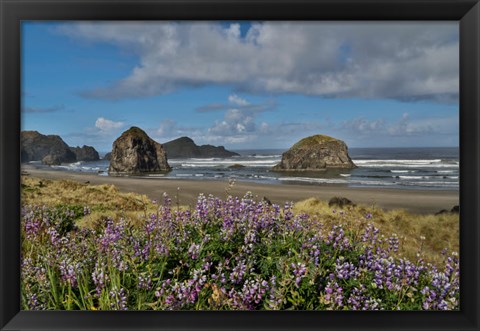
316	153
36	146
185	147
85	153
135	152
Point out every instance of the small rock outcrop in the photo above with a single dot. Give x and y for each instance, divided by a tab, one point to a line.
85	153
51	159
185	147
316	153
236	166
36	147
107	156
455	210
135	152
340	202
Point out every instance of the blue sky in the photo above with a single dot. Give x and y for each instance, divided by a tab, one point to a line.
243	85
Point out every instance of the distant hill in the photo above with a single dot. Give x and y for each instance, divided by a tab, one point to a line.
185	147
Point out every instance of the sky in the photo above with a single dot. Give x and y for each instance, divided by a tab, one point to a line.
243	85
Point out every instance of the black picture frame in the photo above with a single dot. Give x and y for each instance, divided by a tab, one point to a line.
467	12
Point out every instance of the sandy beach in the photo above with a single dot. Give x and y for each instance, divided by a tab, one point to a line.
417	201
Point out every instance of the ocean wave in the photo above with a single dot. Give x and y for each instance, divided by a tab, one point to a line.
266	156
433	184
425	161
416	177
267	164
314	180
406	165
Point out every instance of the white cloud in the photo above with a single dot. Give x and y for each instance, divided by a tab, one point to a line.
239	122
43	109
405	61
425	126
169	130
236	100
107	126
364	126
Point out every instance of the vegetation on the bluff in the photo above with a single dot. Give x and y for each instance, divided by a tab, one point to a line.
313	140
94	248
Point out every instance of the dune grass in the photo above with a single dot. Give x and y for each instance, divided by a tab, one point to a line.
103	201
428	234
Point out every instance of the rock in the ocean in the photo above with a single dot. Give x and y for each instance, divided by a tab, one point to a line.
107	156
85	153
236	166
51	159
316	153
36	146
185	147
135	152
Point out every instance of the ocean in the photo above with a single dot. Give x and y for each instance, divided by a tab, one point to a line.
406	168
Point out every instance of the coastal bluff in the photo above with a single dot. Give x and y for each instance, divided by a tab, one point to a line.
135	152
185	147
316	153
52	150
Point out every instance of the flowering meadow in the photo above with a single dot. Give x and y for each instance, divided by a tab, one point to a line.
223	254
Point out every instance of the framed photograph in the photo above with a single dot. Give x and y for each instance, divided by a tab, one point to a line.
240	165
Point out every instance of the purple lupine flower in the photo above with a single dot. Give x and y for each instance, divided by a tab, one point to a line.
68	272
275	298
238	272
253	292
194	251
120	297
333	295
345	270
99	277
145	282
299	271
32	302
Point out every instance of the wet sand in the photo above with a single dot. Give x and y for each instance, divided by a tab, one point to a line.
416	201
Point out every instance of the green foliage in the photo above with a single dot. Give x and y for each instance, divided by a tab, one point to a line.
234	254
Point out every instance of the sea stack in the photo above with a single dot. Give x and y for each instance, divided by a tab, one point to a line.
135	152
316	153
85	153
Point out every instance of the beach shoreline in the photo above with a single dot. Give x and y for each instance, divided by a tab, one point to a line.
187	190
